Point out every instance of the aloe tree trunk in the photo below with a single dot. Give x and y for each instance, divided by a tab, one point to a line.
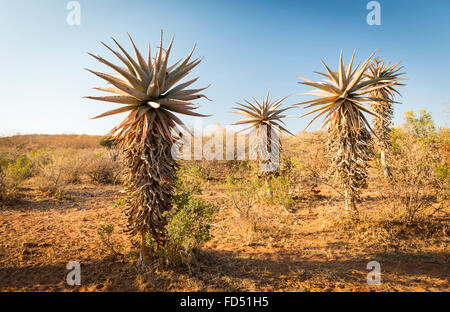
144	252
384	165
349	150
149	171
350	202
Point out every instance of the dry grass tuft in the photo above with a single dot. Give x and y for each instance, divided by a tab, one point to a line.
103	168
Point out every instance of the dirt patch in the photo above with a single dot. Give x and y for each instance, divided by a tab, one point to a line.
297	251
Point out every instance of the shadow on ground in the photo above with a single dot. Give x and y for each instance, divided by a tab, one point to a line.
231	271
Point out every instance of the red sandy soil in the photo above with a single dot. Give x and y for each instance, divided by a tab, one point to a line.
287	251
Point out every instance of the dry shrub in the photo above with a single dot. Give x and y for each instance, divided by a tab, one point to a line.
279	192
413	202
75	167
257	204
244	198
420	177
55	169
11	152
244	195
105	232
52	169
103	167
304	164
239	168
217	170
389	227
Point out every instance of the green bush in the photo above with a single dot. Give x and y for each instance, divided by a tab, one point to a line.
13	174
3	187
239	167
442	172
188	227
279	192
4	163
421	126
188	222
39	158
105	231
190	180
244	193
119	203
107	141
19	171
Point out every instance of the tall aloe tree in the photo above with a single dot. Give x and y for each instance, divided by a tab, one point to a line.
147	91
343	99
265	119
388	74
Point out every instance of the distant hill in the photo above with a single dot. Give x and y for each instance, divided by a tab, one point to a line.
36	141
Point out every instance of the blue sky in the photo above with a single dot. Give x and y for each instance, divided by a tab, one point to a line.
249	48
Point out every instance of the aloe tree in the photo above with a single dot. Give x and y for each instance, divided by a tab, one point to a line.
390	77
265	119
146	89
343	99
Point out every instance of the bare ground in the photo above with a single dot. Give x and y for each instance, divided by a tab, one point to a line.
296	250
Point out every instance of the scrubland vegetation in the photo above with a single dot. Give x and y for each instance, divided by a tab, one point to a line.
229	228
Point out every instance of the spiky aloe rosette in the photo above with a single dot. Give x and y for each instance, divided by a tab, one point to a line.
388	74
146	89
265	115
342	100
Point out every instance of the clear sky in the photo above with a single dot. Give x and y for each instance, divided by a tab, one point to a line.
249	47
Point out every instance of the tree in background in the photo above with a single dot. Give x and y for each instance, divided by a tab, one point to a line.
419	164
265	119
389	76
340	100
421	126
